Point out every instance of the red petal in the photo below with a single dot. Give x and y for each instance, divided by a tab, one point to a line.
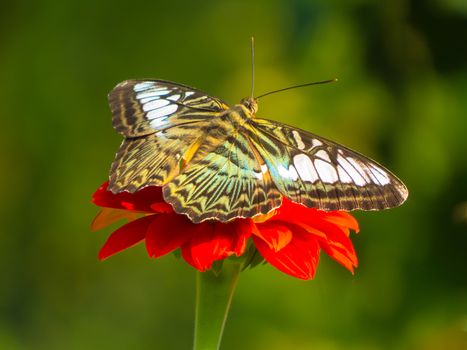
334	240
349	261
167	232
198	251
297	213
334	235
339	247
342	219
238	231
107	216
330	228
299	258
126	237
162	207
290	211
142	200
275	234
215	241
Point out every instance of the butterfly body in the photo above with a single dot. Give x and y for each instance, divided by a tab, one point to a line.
219	162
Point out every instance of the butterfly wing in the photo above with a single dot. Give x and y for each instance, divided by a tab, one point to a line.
142	107
226	183
319	173
182	139
163	123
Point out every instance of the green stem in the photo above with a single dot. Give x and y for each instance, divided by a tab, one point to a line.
214	294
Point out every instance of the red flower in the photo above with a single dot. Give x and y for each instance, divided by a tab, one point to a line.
290	238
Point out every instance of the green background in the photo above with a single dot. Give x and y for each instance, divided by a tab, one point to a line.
401	99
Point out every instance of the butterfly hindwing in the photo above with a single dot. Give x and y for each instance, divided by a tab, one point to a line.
226	183
316	172
149	161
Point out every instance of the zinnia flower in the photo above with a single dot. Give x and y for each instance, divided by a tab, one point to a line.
290	238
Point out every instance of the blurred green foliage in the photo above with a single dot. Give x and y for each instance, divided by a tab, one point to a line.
401	98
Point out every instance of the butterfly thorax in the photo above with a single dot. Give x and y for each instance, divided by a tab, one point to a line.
241	114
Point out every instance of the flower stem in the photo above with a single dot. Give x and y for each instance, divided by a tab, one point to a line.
214	294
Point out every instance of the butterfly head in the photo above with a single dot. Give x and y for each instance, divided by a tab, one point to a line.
250	104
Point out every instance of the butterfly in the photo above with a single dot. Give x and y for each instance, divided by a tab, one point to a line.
219	162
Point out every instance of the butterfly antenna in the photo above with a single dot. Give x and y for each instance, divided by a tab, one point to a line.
252	66
298	86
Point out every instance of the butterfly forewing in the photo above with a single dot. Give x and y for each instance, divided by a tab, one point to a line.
141	107
317	172
161	121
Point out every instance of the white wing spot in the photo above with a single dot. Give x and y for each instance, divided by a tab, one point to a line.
380	174
343	176
159	87
305	168
359	168
373	177
316	143
290	173
298	139
142	86
148	99
152	93
326	171
174	97
189	93
264	168
155	104
353	173
155	123
161	112
323	155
